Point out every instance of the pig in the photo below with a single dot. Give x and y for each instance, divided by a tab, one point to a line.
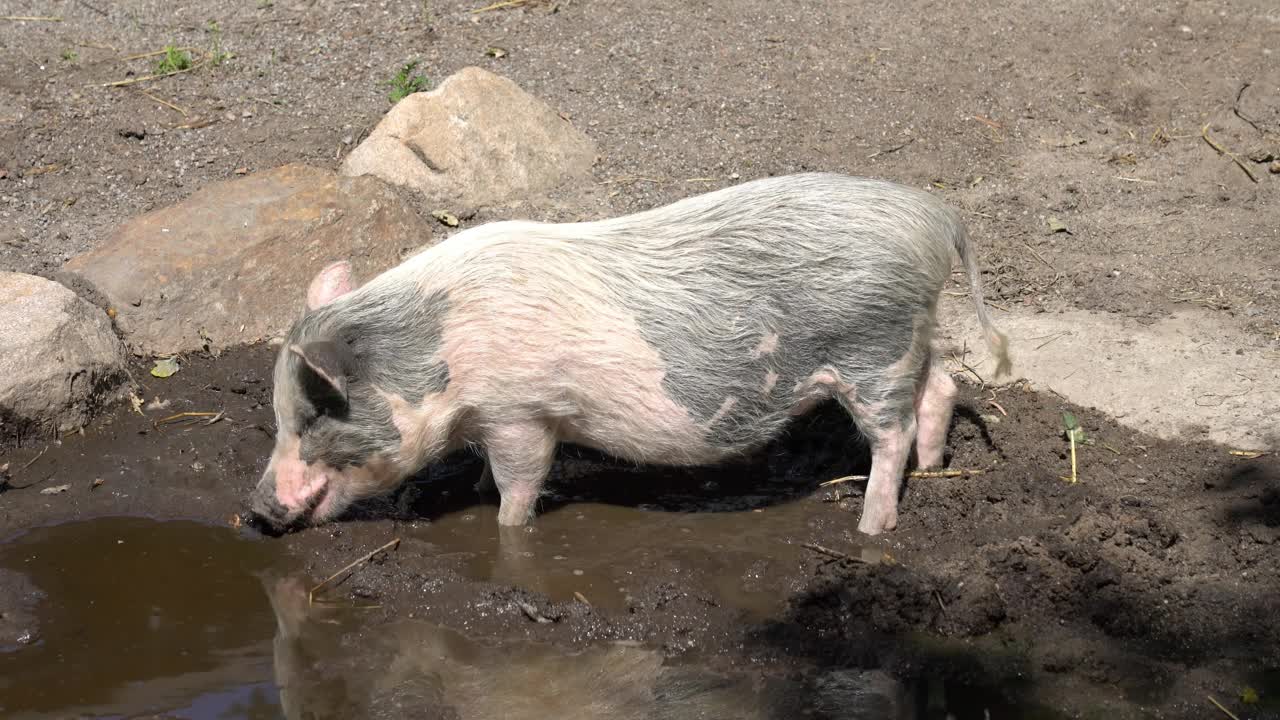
683	335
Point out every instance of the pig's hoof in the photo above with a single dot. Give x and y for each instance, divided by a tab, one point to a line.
878	523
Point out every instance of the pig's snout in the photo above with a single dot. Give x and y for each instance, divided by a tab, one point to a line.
267	509
279	508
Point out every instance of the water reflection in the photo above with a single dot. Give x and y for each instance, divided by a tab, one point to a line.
139	616
327	666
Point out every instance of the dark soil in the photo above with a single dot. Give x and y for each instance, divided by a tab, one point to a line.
1133	593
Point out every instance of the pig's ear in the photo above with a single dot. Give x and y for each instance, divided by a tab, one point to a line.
330	284
325	366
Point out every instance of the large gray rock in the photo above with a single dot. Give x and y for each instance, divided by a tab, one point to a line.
60	361
230	264
476	140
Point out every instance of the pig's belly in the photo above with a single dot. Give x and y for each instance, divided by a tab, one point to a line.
647	426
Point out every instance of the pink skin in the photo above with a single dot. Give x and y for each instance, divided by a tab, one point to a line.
298	485
325	490
889	453
935	400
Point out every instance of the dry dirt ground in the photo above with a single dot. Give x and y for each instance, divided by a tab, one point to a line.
1143	588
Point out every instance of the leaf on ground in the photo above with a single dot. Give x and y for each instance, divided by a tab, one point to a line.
55	489
1249	696
1249	454
166	367
1057	226
445	217
494	51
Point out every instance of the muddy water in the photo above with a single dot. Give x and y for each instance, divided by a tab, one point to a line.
601	551
137	615
134	616
330	667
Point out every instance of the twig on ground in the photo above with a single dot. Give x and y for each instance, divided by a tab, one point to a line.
941	604
581	598
157	76
831	553
965	365
501	5
32	18
1222	708
98	10
311	596
33	460
1038	255
1136	180
216	416
912	474
999	407
1204	133
1046	342
1247	454
888	151
1235	108
164	102
988	122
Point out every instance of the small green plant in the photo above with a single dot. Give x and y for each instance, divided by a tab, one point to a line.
405	83
174	60
70	55
216	54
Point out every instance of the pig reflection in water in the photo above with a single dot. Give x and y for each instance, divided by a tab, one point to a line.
414	669
684	335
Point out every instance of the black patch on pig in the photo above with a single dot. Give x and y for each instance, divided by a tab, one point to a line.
392	335
812	332
838	268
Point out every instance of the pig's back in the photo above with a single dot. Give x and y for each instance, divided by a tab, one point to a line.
715	309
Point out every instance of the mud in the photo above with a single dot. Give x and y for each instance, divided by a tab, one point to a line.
1135	592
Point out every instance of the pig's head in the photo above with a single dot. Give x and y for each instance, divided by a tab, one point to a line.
337	440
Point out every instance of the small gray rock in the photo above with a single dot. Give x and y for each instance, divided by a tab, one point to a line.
476	140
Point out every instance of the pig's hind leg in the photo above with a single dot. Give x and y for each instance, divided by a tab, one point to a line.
883	406
519	456
935	401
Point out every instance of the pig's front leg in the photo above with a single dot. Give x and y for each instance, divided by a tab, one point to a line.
519	456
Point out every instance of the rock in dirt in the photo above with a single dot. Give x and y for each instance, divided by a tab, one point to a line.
476	140
230	264
61	361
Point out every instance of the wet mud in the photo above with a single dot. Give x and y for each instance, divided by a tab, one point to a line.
740	591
